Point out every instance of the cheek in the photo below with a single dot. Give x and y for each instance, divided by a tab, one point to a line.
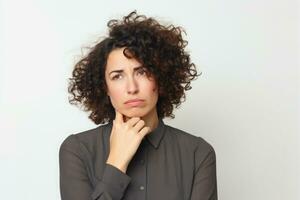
154	87
153	90
115	94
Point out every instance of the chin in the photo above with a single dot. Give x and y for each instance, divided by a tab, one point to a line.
134	113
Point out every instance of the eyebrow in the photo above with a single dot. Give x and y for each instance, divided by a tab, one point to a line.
121	70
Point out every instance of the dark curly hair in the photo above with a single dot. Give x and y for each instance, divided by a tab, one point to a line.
161	49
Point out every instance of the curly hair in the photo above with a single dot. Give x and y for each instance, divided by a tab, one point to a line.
161	49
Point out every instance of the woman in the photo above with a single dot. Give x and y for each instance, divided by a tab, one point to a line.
130	81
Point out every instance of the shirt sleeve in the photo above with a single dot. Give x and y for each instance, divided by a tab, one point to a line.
75	183
205	180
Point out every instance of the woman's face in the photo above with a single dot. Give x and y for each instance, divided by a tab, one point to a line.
126	81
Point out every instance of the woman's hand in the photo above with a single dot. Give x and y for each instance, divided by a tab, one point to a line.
125	139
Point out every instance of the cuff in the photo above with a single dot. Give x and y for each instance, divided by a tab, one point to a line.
114	182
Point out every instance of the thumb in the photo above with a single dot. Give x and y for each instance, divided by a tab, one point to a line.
119	116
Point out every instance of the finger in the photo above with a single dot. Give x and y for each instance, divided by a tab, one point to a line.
139	125
133	121
144	132
112	132
119	117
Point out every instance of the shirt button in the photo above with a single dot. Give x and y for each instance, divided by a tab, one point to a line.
142	161
142	187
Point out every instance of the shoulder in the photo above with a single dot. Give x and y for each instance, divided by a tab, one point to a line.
195	143
85	139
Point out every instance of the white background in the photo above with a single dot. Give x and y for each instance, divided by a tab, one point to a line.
246	103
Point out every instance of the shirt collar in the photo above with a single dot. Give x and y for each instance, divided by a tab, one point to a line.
156	135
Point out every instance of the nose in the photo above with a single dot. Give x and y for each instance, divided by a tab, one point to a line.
132	86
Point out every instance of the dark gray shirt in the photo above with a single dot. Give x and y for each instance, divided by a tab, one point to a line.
169	164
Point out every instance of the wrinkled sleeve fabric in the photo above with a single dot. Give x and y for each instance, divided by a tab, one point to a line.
205	179
74	180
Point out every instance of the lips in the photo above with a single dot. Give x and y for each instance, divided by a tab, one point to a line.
134	102
131	101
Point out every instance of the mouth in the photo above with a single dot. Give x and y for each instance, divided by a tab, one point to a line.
134	102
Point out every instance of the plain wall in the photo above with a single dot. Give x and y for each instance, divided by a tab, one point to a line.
246	103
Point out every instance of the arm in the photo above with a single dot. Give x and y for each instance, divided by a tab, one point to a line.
74	180
205	180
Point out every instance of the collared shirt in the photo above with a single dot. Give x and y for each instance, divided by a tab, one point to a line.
169	164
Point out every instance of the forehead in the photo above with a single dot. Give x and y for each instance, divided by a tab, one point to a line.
117	60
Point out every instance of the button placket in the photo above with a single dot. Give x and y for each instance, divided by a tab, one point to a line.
142	162
138	171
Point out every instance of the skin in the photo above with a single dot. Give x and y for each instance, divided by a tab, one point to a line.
126	79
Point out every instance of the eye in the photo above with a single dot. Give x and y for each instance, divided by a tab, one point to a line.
118	76
142	71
